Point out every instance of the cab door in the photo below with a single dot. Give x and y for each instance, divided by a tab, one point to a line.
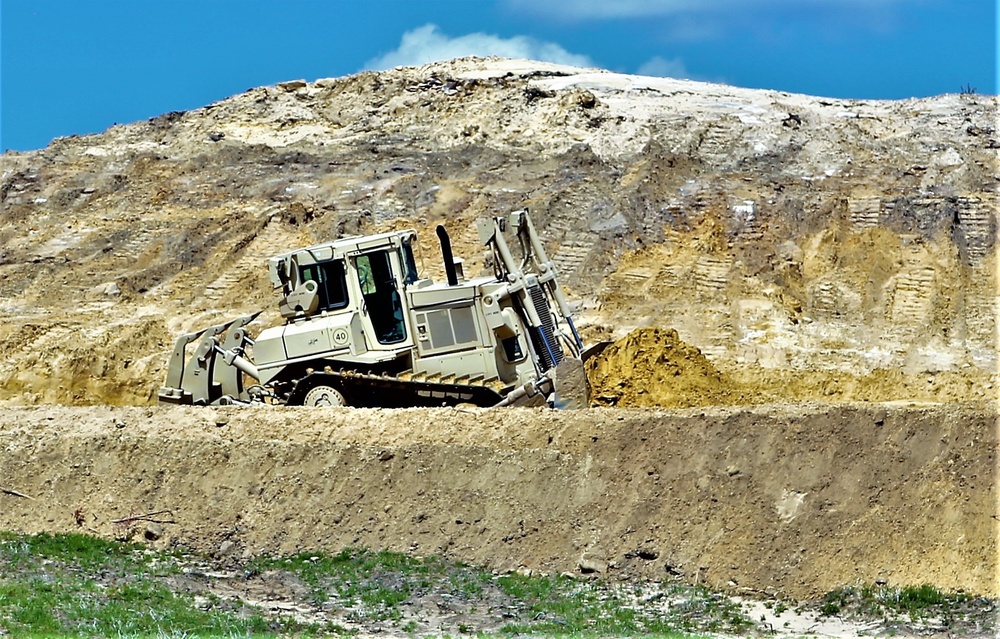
382	302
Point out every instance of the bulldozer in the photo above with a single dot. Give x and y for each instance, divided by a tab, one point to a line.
363	328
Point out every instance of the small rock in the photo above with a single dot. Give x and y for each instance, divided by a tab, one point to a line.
591	563
153	531
533	93
215	136
292	85
673	570
226	548
586	99
793	120
386	456
221	421
108	289
119	423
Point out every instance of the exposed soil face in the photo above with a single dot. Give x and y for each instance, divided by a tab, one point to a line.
793	500
785	234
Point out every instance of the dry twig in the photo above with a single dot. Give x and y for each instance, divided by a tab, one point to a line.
147	517
14	493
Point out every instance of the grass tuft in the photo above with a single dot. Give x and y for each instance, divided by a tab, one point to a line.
896	607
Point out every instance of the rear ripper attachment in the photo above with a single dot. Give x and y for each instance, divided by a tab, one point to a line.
363	328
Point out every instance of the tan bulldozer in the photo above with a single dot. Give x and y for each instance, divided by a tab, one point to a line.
362	327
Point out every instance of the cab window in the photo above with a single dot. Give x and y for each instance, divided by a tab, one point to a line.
331	283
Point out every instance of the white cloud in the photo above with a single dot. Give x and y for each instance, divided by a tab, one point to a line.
660	67
427	44
587	9
609	8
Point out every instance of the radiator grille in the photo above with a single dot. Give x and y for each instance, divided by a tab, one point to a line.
544	336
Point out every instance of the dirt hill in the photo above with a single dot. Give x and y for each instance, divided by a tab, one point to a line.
782	235
653	367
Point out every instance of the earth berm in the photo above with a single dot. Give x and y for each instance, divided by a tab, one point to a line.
791	500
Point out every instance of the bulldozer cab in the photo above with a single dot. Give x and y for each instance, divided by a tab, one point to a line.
362	275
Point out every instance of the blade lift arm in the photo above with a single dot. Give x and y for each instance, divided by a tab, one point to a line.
534	269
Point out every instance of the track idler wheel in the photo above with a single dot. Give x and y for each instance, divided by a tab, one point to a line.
324	396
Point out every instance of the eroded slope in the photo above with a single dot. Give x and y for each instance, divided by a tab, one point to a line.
792	500
782	235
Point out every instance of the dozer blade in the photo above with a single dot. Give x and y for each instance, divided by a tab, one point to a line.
201	379
571	388
594	350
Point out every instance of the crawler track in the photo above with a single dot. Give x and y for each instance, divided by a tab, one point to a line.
406	389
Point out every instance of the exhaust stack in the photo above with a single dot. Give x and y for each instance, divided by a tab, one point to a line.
449	259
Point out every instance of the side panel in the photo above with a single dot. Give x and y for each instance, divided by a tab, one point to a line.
467	363
458	330
441	294
446	330
269	349
307	338
337	336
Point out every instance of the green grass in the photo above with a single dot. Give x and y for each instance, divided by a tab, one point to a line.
79	586
353	576
375	582
84	551
892	604
377	585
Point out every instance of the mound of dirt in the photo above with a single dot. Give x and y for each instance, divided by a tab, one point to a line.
654	367
792	500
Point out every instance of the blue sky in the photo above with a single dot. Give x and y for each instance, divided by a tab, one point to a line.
79	66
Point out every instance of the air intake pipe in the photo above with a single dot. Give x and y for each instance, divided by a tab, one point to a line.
449	259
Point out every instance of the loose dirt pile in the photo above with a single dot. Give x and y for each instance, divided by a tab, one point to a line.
653	367
792	500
